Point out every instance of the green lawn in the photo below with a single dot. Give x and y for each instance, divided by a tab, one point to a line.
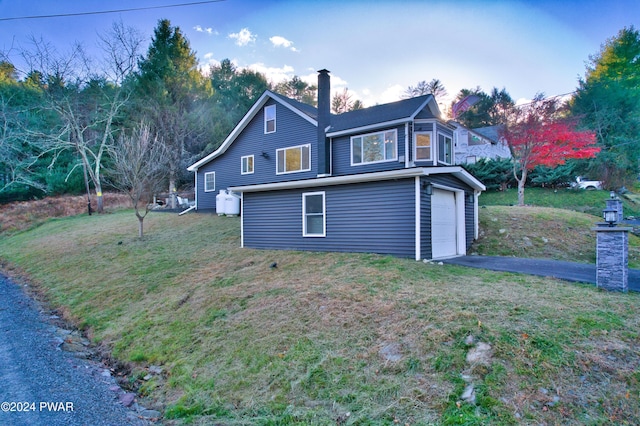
591	202
331	338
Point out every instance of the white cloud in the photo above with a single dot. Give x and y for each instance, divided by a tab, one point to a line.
390	94
279	41
209	30
206	64
273	74
243	37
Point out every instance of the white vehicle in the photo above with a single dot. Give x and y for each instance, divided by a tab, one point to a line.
582	183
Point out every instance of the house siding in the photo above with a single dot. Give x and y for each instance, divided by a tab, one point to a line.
291	130
341	155
485	148
469	218
372	217
426	251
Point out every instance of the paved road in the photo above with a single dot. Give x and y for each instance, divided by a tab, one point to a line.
50	386
568	271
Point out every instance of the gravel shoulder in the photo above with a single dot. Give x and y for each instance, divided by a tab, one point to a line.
40	384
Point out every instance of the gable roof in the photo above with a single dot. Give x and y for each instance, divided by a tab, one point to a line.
305	111
382	115
490	132
348	122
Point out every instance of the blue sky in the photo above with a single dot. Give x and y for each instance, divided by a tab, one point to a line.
374	48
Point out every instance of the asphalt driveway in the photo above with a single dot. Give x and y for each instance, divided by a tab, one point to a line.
568	271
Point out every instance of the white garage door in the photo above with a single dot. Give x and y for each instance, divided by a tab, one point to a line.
443	224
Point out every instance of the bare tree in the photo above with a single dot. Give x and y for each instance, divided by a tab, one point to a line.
434	87
341	102
86	102
140	169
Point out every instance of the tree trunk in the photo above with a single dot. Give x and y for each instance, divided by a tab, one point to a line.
521	192
521	181
100	199
100	202
140	223
86	184
172	189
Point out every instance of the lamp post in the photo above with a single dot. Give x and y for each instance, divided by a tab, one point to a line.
610	216
612	252
615	203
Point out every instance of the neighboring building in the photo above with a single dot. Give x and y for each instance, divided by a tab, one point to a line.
378	180
476	144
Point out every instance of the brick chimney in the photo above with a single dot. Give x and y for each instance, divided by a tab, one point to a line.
324	120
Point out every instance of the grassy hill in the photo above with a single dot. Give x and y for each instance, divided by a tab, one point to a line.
329	338
590	202
555	224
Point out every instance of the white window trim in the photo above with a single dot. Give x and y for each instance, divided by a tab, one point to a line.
304	214
415	145
292	147
269	107
452	159
253	164
205	182
369	134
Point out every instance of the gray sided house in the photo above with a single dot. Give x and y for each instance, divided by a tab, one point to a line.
377	180
472	145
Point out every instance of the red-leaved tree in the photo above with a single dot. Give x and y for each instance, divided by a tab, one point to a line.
540	136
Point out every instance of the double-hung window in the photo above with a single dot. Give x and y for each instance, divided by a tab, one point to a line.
445	149
423	146
293	159
246	164
209	181
270	119
374	147
313	214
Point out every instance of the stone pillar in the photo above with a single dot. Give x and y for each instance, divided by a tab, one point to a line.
612	253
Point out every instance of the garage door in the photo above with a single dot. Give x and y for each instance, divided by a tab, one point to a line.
443	224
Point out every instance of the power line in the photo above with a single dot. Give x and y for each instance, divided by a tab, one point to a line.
547	97
110	11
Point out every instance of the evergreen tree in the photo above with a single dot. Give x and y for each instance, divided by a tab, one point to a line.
298	90
173	96
235	91
490	110
608	102
343	102
434	87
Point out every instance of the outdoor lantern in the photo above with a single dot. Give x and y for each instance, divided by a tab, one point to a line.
471	198
610	216
428	188
612	194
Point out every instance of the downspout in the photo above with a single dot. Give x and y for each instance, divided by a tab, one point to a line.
242	220
196	187
476	231
418	239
